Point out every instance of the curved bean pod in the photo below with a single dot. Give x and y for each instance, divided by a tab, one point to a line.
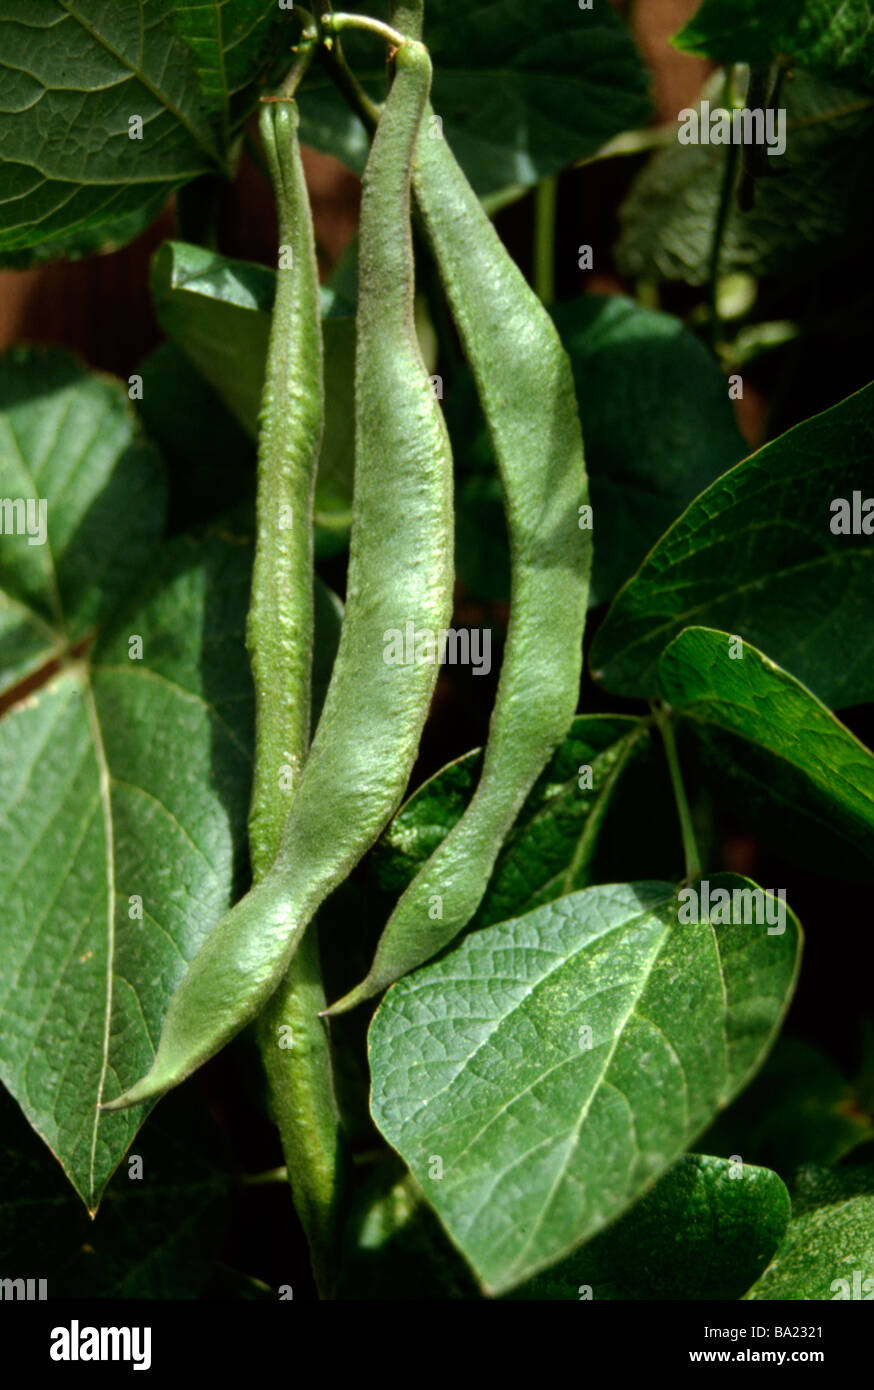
526	388
400	570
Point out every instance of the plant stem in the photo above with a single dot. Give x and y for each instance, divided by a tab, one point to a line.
306	50
687	830
545	206
729	177
296	1052
337	21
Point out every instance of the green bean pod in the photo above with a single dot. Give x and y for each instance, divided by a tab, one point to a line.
279	631
526	388
400	570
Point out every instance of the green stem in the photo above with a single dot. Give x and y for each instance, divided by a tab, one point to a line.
336	22
729	178
687	830
296	1052
306	50
545	206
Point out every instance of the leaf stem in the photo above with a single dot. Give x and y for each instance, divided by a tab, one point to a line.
545	207
664	719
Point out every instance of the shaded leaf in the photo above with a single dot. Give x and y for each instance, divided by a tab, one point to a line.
810	210
525	1139
156	1234
705	1231
551	846
800	1109
754	555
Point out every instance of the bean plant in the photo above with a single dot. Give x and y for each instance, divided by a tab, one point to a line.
419	675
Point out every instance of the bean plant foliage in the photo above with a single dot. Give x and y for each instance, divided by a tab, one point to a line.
502	1004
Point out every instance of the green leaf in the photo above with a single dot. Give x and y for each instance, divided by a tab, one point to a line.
122	779
75	179
811	210
658	428
157	1233
766	707
835	37
70	439
754	555
828	1250
210	458
522	90
525	1140
218	312
800	1109
658	425
706	1230
550	849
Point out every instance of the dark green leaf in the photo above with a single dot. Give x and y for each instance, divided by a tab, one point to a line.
828	1250
657	423
550	849
522	90
754	555
528	1134
706	1230
77	175
764	706
800	1109
157	1233
835	37
210	457
395	1248
811	208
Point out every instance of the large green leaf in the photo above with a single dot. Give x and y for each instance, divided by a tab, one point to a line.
159	1229
836	37
218	312
522	90
705	1231
765	707
828	1250
551	847
527	1134
658	428
69	439
123	778
810	208
755	556
73	74
145	798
